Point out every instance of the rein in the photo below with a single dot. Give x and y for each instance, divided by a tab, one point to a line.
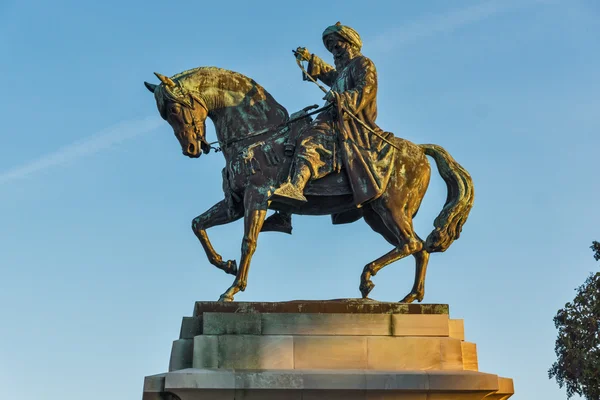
268	130
341	106
206	146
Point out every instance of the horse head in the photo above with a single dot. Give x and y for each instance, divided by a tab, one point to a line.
185	111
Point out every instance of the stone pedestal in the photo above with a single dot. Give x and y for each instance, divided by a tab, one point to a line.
340	349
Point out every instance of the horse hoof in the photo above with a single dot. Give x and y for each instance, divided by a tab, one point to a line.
225	299
365	288
409	298
231	267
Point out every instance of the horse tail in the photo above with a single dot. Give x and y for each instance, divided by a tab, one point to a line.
459	201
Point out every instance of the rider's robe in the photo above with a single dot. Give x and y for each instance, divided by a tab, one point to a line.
367	159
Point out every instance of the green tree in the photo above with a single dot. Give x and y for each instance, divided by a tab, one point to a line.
596	247
578	343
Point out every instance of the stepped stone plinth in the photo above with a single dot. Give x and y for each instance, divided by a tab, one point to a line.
339	349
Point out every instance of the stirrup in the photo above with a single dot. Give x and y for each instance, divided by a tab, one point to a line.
289	194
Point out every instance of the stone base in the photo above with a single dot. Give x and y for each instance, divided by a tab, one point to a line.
346	349
222	384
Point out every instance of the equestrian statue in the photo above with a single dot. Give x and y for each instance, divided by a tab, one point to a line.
340	164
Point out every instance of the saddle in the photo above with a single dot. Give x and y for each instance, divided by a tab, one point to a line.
334	184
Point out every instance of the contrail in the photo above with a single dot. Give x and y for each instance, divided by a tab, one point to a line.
93	144
446	22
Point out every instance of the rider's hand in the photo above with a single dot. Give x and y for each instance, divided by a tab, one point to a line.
330	97
303	53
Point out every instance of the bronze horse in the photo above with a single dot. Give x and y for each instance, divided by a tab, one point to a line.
254	132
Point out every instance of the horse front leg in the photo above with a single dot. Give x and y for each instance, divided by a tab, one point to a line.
255	206
219	214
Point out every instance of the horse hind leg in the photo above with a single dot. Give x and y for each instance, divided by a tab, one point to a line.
396	228
418	290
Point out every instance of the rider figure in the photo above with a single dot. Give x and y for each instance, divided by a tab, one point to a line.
335	139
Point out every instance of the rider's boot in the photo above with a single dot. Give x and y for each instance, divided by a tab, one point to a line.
291	192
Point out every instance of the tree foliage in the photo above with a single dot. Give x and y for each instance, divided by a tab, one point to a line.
578	343
596	248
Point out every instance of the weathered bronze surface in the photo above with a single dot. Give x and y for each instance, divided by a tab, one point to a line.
341	164
339	306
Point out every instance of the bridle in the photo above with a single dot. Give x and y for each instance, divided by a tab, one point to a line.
195	124
186	99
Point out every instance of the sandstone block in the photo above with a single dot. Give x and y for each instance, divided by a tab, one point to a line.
386	395
206	394
505	390
458	396
268	394
213	379
404	353
457	328
255	352
326	324
206	352
328	352
153	386
452	354
406	380
334	380
469	353
420	325
190	327
231	324
181	354
281	379
333	395
462	381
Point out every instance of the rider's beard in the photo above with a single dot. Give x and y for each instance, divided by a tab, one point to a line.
341	60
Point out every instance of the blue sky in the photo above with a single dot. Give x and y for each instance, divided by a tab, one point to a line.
97	257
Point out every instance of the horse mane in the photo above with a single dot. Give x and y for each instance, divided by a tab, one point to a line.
212	70
227	80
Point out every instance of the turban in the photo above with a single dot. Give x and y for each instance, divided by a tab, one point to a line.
346	33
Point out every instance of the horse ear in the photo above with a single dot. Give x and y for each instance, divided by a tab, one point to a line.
165	80
150	86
